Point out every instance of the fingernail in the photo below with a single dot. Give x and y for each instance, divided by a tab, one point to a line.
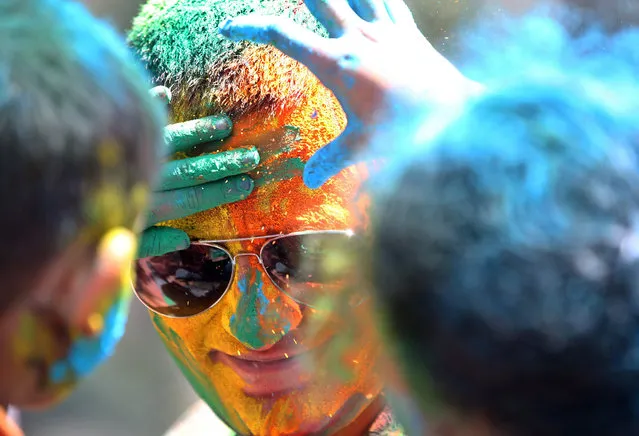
176	241
241	184
245	184
251	157
223	124
225	24
312	180
162	93
237	188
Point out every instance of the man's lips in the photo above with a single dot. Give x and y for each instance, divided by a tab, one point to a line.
269	378
283	368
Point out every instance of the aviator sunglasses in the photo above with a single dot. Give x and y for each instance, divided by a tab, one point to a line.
187	282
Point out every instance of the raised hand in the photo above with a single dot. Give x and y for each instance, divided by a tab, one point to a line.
194	184
383	71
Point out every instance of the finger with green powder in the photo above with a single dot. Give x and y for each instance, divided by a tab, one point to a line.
179	203
183	137
188	186
156	241
207	168
194	184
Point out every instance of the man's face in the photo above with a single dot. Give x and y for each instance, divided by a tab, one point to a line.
249	355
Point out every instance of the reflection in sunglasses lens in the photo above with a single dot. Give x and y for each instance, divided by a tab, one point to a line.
184	283
301	265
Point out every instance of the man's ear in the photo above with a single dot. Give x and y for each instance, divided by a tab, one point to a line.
85	279
70	301
109	276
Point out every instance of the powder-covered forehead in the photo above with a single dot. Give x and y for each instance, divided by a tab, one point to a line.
281	202
286	134
276	105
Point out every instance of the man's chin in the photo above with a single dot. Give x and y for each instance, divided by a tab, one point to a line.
277	414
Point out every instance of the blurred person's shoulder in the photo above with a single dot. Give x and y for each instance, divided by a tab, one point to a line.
199	420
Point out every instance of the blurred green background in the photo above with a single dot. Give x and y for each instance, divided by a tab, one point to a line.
140	392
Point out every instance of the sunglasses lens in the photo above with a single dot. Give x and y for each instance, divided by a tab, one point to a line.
307	266
183	283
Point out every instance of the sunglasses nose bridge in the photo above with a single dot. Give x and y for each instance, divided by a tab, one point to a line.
259	259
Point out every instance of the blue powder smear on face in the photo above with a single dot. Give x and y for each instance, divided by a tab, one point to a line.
252	309
88	353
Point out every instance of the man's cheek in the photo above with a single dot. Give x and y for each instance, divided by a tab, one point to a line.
199	376
177	338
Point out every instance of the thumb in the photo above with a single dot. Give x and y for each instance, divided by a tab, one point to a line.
156	241
332	158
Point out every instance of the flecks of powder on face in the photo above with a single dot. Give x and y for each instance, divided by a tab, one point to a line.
284	205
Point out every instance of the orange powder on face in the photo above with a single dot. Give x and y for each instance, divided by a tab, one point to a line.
284	204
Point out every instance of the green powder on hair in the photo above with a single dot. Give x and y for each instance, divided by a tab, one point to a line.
179	42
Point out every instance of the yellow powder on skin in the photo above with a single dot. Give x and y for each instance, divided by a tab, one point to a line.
284	206
318	120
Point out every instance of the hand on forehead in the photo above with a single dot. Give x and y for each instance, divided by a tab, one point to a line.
281	202
383	71
192	184
285	116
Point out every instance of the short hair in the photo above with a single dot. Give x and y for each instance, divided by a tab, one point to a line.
180	45
78	130
258	87
505	260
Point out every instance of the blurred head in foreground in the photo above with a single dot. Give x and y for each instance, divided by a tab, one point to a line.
79	137
505	262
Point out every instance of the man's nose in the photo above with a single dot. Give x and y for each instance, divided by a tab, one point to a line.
262	314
